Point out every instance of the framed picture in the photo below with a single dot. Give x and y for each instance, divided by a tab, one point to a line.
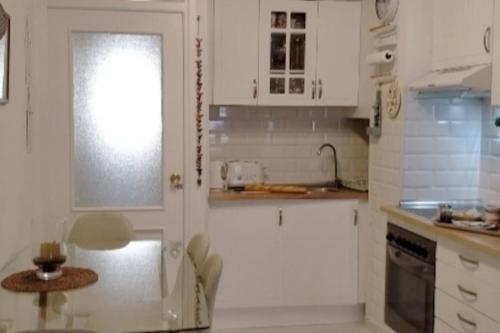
4	55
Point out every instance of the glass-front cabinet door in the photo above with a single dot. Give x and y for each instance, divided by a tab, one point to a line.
287	59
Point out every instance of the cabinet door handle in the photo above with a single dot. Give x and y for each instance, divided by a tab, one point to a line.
355	217
468	261
255	90
313	89
466	321
467	292
280	223
320	93
487	40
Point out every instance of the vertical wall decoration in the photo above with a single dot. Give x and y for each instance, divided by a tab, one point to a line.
199	107
27	82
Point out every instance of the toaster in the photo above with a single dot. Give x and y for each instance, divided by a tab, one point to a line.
241	173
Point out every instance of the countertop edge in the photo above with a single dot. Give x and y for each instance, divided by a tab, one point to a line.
482	243
218	196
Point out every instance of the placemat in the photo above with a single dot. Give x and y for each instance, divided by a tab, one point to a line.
72	278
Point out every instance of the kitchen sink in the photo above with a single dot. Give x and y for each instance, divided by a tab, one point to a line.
315	189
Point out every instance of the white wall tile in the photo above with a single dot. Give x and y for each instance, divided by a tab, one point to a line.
286	141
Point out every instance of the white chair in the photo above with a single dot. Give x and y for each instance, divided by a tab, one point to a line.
197	249
101	231
210	274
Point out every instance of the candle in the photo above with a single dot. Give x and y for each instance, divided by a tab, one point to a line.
45	251
56	250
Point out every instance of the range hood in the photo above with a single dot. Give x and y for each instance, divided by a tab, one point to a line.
474	81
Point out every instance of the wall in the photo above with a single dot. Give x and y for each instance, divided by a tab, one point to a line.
17	176
286	141
442	149
414	27
489	190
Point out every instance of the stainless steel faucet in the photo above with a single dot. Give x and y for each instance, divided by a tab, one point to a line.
337	181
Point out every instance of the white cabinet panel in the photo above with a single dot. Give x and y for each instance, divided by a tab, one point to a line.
287	52
461	317
338	53
248	238
311	258
440	327
462	32
320	253
236	54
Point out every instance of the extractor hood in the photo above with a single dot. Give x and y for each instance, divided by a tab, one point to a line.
474	81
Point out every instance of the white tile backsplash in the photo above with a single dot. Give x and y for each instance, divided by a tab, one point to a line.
442	144
285	141
489	188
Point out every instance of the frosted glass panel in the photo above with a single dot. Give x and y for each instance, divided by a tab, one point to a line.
117	82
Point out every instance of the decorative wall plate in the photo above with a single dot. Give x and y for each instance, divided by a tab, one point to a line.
393	103
386	10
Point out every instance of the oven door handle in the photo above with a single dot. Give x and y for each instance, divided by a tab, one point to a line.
411	264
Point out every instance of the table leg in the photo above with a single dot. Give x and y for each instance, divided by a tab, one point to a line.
42	311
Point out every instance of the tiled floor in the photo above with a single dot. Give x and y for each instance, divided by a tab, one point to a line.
339	328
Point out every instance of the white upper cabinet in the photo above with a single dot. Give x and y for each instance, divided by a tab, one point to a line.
339	29
462	33
287	61
286	52
236	52
495	89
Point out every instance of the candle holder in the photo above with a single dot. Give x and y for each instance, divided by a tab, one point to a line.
50	261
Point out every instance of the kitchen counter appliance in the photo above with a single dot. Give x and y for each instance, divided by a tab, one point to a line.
410	277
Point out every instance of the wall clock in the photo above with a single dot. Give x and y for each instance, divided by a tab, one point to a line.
386	10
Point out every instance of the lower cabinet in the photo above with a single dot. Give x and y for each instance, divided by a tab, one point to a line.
286	253
467	291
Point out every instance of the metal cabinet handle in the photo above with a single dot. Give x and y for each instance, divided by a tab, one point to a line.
255	89
466	321
313	89
320	93
467	292
280	223
487	40
469	261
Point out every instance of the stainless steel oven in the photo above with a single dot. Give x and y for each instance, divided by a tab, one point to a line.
410	277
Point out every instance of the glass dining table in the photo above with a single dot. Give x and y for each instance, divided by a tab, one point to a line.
133	293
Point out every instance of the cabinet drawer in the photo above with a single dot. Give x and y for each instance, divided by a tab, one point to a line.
478	266
440	327
462	317
473	292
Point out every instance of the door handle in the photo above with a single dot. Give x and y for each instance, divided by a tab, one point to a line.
280	222
320	93
313	89
487	40
176	181
255	90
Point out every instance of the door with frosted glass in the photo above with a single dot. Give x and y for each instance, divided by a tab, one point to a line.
112	135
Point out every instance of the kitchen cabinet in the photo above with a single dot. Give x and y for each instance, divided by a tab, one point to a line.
462	33
236	52
287	60
337	73
286	253
248	238
286	52
320	253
